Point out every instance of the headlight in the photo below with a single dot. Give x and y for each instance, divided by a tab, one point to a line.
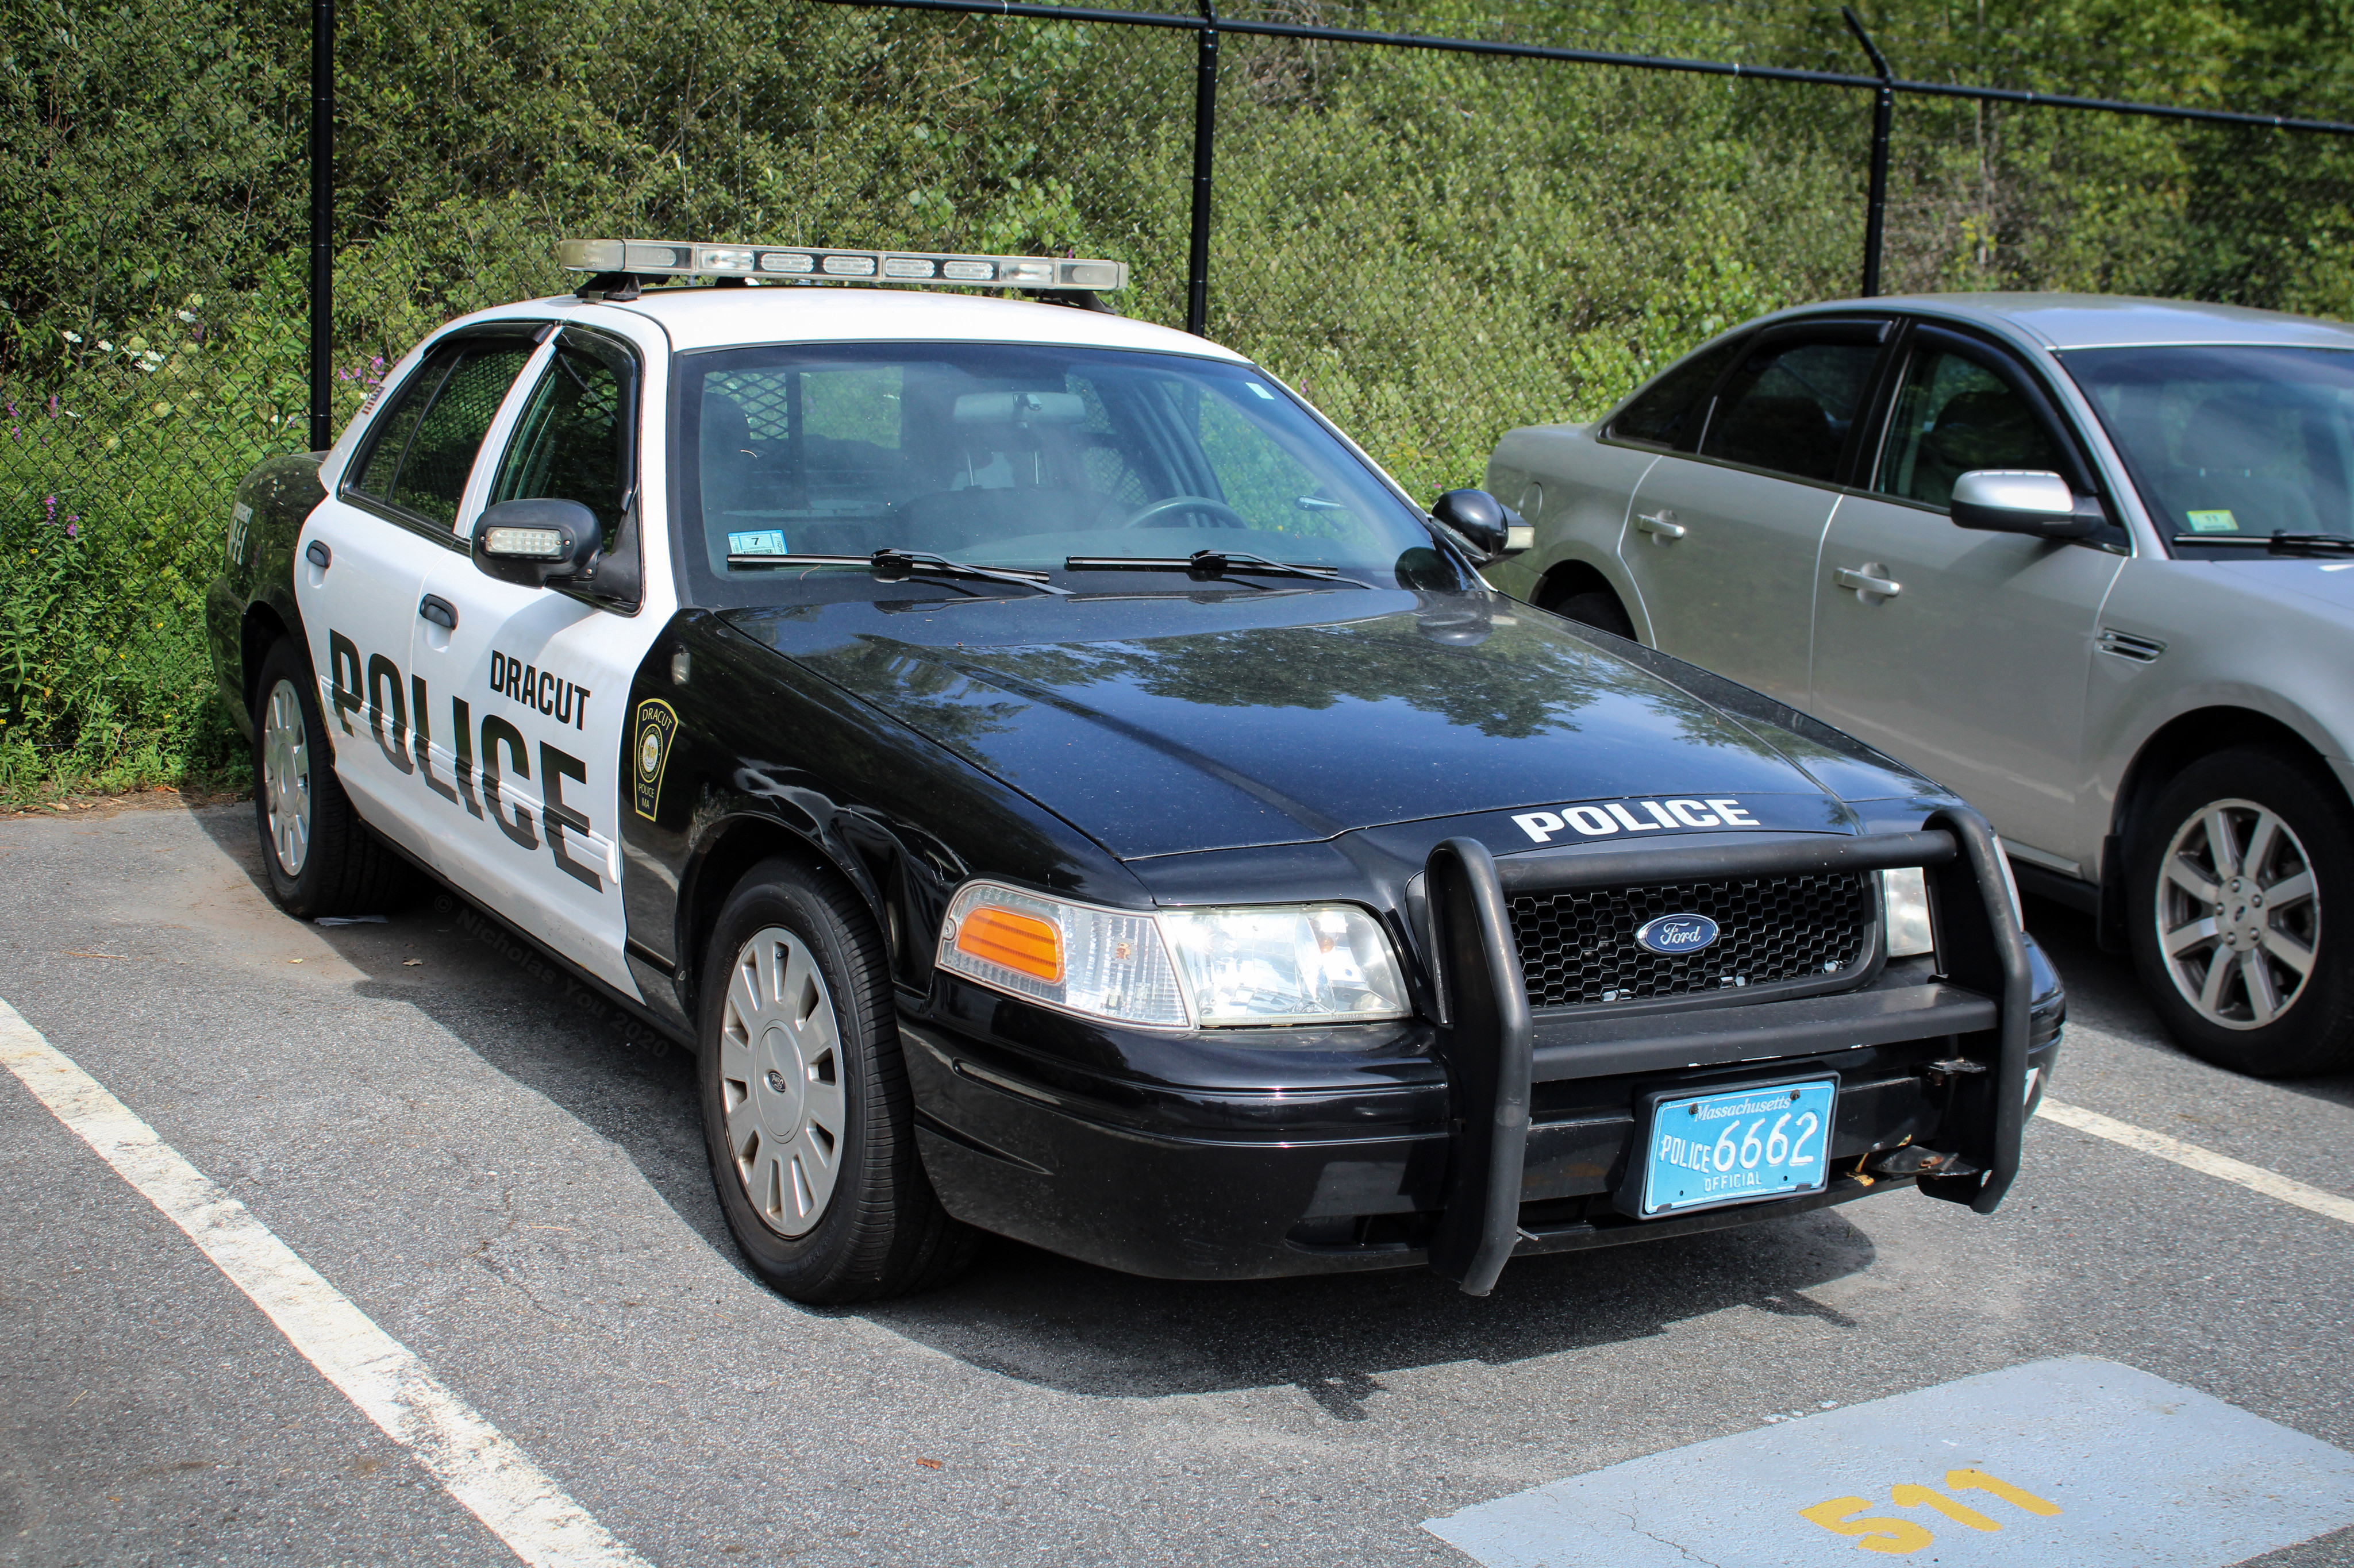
1904	895
1109	963
1317	963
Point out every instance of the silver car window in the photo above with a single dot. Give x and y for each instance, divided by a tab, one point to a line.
2224	439
1953	415
1789	406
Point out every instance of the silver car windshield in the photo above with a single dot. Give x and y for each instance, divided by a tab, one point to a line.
1010	455
2230	440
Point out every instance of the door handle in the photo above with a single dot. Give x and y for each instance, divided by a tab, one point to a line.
438	610
1661	523
317	554
1866	582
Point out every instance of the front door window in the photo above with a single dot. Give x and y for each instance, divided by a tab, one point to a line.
1955	415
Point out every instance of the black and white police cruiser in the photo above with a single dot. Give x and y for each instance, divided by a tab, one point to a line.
1059	786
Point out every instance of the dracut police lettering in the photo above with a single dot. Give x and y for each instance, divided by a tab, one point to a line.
543	690
476	774
1595	822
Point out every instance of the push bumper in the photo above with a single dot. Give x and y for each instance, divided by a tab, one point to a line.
1494	1134
1491	1052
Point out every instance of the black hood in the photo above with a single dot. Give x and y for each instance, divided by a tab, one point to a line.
1169	724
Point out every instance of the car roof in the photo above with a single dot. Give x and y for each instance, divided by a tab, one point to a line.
2064	322
719	317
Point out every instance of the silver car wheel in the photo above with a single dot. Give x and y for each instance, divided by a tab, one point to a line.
781	1081
2239	915
286	777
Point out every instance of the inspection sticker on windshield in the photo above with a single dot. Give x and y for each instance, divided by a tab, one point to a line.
2212	523
2072	1461
764	542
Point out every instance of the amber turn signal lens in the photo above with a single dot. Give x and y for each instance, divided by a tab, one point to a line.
1020	942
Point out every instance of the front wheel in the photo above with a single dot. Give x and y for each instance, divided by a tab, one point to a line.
806	1111
2242	904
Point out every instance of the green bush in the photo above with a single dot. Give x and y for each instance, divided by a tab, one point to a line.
1433	247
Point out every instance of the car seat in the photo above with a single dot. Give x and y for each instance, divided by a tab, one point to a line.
1991	428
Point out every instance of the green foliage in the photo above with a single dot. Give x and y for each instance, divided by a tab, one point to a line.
1433	246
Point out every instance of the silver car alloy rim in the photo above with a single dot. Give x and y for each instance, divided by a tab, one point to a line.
286	777
2239	916
781	1081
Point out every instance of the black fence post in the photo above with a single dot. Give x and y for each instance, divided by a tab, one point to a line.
1205	131
323	223
1883	110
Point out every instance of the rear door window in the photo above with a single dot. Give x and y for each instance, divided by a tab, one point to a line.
424	446
1670	409
1790	405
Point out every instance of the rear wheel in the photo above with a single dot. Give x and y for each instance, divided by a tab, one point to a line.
2243	901
321	858
806	1109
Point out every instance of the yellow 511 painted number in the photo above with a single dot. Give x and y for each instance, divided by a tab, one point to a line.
1841	1515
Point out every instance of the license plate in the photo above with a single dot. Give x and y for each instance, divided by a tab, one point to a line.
1737	1146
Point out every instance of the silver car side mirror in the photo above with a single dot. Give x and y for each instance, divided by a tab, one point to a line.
2022	501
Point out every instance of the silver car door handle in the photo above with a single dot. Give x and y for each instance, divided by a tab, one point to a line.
1864	582
1663	523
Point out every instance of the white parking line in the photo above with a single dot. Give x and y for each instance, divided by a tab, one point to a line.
471	1458
2205	1160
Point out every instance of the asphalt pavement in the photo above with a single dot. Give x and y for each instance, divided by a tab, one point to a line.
508	1179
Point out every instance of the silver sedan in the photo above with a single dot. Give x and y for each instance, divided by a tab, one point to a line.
2088	561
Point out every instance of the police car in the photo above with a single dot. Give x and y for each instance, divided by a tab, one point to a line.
1059	786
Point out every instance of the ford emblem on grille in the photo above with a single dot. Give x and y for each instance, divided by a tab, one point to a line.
1673	934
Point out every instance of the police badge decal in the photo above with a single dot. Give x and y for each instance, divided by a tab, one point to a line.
650	751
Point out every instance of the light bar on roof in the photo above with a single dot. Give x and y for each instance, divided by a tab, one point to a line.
693	259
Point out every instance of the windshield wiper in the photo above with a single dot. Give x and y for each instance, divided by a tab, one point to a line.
2282	543
1206	564
898	566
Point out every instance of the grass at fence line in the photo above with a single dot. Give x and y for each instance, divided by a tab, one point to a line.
134	452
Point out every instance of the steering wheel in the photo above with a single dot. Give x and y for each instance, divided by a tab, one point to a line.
1224	515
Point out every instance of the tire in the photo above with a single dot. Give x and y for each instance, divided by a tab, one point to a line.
1598	608
806	1111
2241	903
321	858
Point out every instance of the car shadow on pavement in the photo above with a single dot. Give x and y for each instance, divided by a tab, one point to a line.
1045	1320
1031	1315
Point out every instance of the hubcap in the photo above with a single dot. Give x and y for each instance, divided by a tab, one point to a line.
2239	915
286	777
781	1081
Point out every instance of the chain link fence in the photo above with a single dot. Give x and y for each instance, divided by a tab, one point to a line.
1433	245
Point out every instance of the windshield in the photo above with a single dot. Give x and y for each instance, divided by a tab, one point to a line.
2226	440
1014	455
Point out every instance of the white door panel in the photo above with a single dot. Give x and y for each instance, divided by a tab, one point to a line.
527	694
356	612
